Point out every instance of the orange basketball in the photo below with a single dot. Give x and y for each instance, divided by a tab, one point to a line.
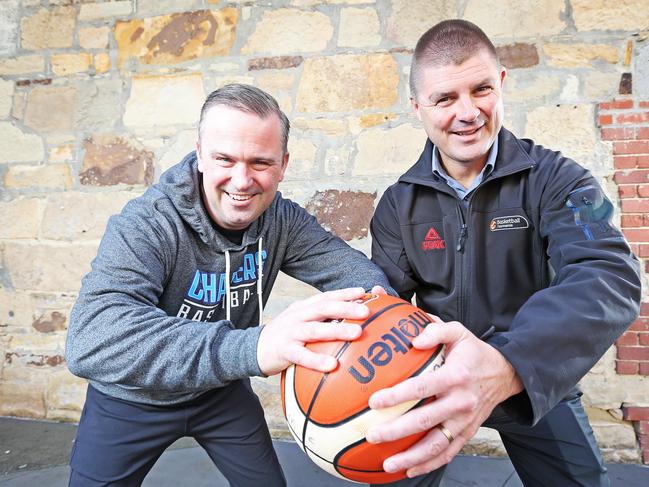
328	413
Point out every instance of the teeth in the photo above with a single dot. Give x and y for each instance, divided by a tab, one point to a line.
240	197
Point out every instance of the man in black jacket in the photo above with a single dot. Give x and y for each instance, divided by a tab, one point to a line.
512	246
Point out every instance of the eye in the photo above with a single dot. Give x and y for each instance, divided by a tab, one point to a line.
222	160
443	101
261	165
485	89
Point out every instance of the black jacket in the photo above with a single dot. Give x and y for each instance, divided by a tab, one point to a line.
535	255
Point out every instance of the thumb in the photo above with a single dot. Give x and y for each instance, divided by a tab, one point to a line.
440	333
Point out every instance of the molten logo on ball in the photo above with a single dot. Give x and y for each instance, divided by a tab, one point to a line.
328	413
398	341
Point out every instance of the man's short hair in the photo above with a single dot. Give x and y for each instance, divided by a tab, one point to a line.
448	42
247	99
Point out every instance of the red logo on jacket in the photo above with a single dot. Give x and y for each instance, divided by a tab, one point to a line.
433	241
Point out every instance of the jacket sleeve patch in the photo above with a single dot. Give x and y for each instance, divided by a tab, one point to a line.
591	210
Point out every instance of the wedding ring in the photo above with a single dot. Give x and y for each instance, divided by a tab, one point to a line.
446	432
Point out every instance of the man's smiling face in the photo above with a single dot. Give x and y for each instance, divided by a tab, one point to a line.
461	108
242	160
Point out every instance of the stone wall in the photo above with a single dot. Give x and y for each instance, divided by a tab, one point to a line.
98	98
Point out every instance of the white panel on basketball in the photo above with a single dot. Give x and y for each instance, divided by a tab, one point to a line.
322	444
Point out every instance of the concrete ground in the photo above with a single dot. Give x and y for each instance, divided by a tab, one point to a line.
35	453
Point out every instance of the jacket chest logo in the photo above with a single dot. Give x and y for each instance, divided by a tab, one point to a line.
432	241
511	222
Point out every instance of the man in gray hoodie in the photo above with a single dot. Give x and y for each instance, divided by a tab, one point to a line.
168	323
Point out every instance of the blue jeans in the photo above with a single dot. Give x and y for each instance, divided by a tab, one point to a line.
119	441
560	450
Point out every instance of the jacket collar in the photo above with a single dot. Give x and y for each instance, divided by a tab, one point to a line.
512	157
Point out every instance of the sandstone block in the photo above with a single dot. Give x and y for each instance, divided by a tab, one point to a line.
183	144
94	11
61	153
329	126
579	55
268	391
499	19
111	160
168	39
48	28
101	62
94	37
389	151
348	82
34	348
274	82
25	312
50	108
19	146
284	30
310	3
374	119
22	65
6	97
337	160
98	105
518	55
152	7
64	394
411	18
183	97
48	267
9	16
66	64
568	128
45	177
641	65
346	214
20	218
628	15
81	216
359	27
522	87
302	158
22	390
614	434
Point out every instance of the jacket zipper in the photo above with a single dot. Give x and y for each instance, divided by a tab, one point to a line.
459	248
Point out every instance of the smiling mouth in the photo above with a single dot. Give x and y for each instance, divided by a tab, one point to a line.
465	133
239	196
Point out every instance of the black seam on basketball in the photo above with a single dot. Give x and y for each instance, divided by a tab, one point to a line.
324	377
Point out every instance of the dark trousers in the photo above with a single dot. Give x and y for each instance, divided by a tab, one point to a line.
119	441
560	450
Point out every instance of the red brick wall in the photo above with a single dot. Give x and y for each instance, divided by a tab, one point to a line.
626	124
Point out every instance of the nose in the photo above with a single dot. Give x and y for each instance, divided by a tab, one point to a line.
467	110
240	177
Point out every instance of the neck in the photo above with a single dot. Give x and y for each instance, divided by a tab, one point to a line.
463	172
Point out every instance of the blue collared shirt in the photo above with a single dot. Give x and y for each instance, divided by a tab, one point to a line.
462	192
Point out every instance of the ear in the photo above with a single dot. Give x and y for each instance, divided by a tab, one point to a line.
198	156
415	107
284	166
503	75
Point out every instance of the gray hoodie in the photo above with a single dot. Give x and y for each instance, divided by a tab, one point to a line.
171	308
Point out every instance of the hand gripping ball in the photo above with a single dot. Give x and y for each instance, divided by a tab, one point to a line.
328	413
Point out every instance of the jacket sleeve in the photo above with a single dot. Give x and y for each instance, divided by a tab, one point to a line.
320	259
559	334
387	248
118	335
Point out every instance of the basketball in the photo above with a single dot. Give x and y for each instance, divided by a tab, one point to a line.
328	413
